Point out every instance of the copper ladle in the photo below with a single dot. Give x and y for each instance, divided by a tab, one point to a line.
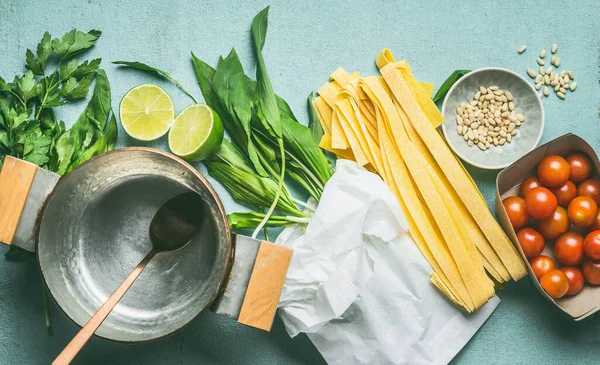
173	226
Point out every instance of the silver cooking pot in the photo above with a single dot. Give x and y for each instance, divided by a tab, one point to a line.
90	229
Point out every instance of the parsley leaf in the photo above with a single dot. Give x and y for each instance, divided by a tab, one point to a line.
44	50
73	90
75	42
86	68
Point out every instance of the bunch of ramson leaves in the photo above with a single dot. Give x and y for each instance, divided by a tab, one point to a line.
267	143
28	126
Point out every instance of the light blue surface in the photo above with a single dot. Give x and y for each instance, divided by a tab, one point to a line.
307	41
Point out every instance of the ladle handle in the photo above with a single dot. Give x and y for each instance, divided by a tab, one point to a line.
68	353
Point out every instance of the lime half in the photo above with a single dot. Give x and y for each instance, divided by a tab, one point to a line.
196	133
146	112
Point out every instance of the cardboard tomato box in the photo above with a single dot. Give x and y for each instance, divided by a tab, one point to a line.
587	302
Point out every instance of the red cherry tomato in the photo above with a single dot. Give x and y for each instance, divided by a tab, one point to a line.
568	248
581	167
553	171
591	271
575	278
596	225
591	245
555	283
528	184
540	203
590	188
583	211
556	225
541	265
565	193
531	242
515	209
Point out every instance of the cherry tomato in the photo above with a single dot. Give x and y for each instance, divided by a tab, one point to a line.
555	283
565	193
568	248
531	242
596	225
540	203
556	225
553	171
528	184
581	167
515	209
541	265
575	278
590	188
591	271
591	245
583	211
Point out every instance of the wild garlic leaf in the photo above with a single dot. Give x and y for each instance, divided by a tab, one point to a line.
157	72
246	220
205	75
231	155
266	101
75	42
250	189
232	90
443	90
86	68
313	120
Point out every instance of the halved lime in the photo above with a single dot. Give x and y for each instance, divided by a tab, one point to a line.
196	133
146	112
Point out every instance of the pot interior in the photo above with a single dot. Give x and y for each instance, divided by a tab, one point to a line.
94	231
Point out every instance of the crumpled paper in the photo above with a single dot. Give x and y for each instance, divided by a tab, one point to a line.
359	287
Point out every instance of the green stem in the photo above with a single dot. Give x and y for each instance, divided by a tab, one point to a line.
46	307
279	188
266	234
19	98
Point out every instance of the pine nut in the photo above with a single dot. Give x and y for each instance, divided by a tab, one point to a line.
481	146
543	53
553	59
540	62
470	143
562	90
502	141
546	91
538	79
538	85
542	70
482	90
520	117
509	138
546	79
548	70
459	129
557	62
571	76
560	95
573	86
522	49
556	87
554	48
513	132
509	96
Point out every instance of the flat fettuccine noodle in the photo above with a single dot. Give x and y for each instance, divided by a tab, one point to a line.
388	125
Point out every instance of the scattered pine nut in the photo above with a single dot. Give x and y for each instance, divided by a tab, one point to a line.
531	73
540	62
543	53
557	62
573	86
560	95
554	48
522	49
546	91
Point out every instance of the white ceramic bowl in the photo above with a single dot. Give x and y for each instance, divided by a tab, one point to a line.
527	102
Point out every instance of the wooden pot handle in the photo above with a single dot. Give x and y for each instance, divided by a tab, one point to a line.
264	289
23	190
252	291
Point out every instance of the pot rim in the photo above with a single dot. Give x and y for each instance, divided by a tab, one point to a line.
228	257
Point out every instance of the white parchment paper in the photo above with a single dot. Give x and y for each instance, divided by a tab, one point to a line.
359	287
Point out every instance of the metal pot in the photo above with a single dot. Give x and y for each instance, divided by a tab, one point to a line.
90	229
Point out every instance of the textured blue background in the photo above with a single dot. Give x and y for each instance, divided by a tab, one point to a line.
306	41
